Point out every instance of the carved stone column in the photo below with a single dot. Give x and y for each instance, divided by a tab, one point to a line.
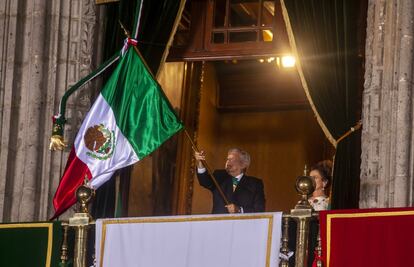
46	46
387	136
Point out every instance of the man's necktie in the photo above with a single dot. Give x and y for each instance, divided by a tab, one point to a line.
235	183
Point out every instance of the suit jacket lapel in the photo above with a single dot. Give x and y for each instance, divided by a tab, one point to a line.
245	184
228	187
241	185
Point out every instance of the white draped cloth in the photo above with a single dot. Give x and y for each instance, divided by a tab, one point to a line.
242	240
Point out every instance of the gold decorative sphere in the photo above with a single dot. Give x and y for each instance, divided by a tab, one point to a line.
84	194
305	185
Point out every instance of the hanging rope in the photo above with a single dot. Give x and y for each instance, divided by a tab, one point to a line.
354	128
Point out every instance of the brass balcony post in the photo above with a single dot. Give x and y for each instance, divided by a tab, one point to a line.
81	221
284	262
64	249
302	214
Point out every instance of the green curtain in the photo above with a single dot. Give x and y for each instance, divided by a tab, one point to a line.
156	25
30	244
326	37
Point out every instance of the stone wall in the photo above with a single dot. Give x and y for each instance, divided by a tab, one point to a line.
46	46
387	136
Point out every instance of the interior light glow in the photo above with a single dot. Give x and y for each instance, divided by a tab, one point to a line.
288	61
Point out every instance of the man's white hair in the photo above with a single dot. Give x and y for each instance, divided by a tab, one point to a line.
244	156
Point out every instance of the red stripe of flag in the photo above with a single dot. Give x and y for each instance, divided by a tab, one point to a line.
72	178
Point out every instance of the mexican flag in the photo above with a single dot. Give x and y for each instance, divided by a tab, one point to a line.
130	118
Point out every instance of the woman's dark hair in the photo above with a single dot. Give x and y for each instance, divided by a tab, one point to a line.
324	167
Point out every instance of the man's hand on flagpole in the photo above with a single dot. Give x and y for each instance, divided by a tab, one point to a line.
233	208
200	157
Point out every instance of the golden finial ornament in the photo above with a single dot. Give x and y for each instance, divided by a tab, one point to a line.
84	195
305	185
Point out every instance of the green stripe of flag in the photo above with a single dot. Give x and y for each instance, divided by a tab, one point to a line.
142	112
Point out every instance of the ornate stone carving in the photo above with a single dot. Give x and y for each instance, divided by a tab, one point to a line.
386	176
47	46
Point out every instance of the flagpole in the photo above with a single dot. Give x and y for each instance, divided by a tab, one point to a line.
195	149
193	145
126	32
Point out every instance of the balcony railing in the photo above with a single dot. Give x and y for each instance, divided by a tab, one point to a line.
299	218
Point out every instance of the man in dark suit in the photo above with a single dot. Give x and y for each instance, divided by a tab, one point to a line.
245	193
